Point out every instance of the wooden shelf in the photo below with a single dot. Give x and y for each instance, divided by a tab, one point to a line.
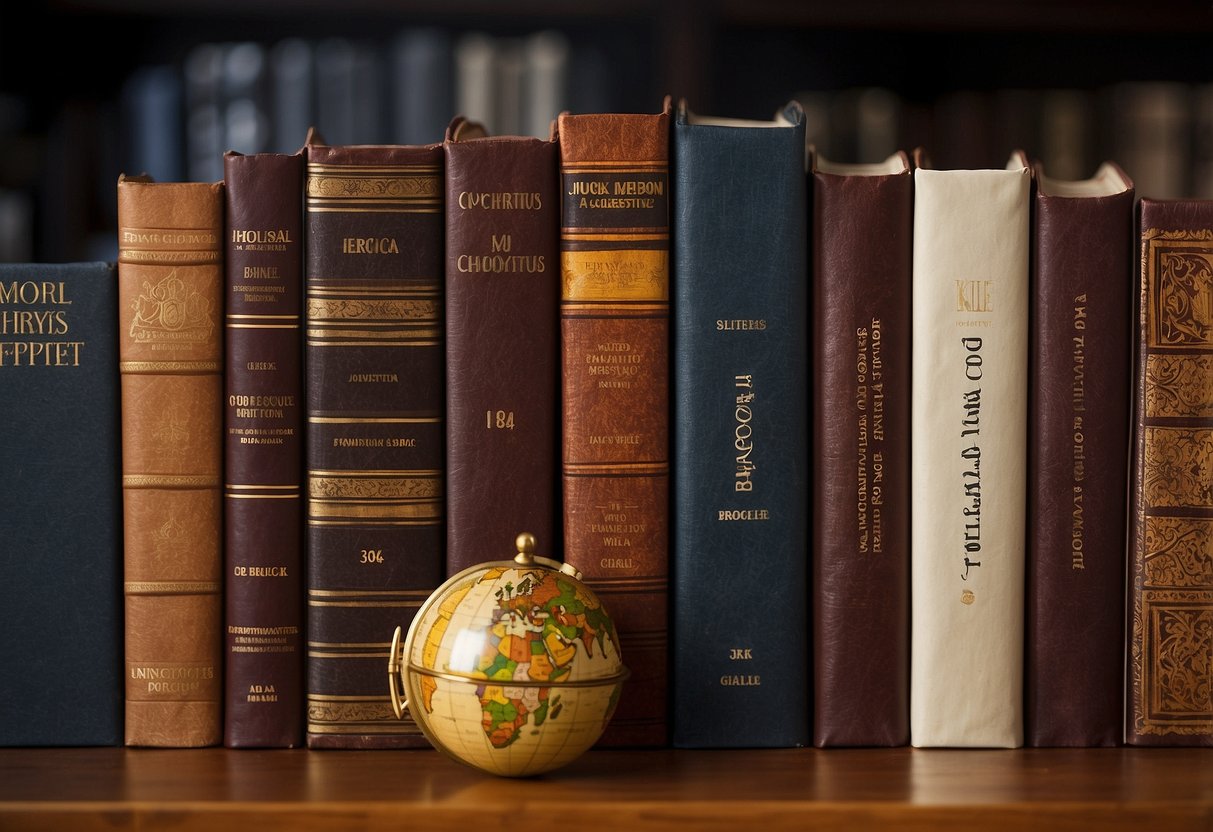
147	789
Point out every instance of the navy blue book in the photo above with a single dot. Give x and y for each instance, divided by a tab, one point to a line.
740	374
60	506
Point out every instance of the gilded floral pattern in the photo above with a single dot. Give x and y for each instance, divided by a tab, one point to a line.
1178	552
1178	467
1179	385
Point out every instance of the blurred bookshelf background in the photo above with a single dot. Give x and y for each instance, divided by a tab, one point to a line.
92	88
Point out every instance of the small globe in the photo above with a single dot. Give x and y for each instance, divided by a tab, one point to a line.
512	667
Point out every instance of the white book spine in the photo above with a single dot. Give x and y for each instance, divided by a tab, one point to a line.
968	457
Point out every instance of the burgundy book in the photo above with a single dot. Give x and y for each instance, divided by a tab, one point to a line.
263	452
502	285
374	452
862	218
1170	597
614	317
1077	472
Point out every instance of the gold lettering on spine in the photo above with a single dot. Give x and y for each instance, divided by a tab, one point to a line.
33	324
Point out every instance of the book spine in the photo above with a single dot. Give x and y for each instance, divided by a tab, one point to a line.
374	453
740	437
861	452
614	311
263	452
502	267
968	452
170	270
1170	591
62	679
1078	433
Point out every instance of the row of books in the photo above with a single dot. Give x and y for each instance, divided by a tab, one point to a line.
460	342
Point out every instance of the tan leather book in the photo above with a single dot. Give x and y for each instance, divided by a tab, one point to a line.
614	311
1170	591
170	322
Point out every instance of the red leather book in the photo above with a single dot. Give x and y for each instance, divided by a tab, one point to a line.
375	431
614	310
1170	598
862	223
1078	433
263	452
502	284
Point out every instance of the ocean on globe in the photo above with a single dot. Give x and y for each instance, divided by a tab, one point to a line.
512	667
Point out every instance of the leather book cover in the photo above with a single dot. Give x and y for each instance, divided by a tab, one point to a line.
614	319
170	330
502	288
1078	431
374	453
61	654
968	455
1170	592
740	433
263	451
862	226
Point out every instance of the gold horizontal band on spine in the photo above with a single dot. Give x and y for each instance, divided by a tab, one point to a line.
372	170
321	509
613	166
171	587
337	488
231	316
262	496
255	486
427	334
169	481
609	583
146	257
166	367
368	604
398	344
377	472
402	728
350	645
419	594
425	287
262	326
360	523
368	210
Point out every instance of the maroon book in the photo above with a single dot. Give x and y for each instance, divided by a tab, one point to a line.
263	451
502	288
862	219
375	456
1078	436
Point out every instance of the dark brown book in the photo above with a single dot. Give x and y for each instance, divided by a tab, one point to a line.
374	381
170	293
1078	432
263	451
1170	597
862	218
614	311
502	285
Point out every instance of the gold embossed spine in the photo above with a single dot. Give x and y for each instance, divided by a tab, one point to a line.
170	341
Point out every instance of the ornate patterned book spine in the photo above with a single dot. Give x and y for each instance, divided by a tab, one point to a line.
61	654
1077	473
1170	598
614	310
863	223
740	542
502	267
968	456
263	442
374	379
170	273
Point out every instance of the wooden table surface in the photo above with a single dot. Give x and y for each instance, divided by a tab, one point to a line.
1145	790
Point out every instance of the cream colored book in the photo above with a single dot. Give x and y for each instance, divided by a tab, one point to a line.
969	456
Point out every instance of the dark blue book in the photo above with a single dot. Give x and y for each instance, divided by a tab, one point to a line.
60	506
740	375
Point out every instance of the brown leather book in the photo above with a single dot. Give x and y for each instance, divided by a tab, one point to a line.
170	275
374	454
1170	598
263	451
1078	432
502	271
863	226
614	311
